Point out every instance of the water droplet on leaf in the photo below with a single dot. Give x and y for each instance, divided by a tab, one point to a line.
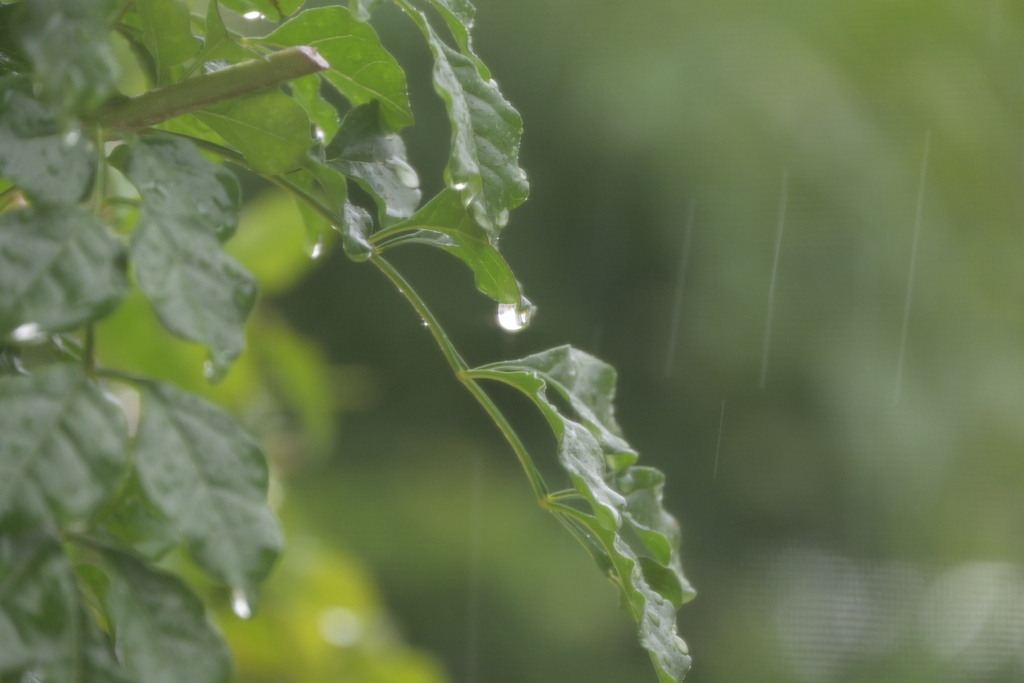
320	134
29	332
681	645
71	138
254	15
318	249
459	187
406	173
502	218
515	317
239	605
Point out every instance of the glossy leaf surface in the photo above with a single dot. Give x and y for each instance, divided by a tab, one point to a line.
458	14
270	129
360	66
366	151
59	268
275	10
189	207
160	626
486	130
50	165
62	445
306	91
210	478
66	40
219	43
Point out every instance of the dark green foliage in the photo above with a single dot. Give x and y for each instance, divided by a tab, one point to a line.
75	482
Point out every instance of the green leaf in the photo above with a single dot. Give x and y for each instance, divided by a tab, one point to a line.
275	10
190	206
306	91
75	68
192	127
360	66
270	129
134	520
366	151
167	33
62	445
630	534
458	14
211	479
160	626
486	130
445	223
59	268
50	166
356	224
44	626
12	57
219	42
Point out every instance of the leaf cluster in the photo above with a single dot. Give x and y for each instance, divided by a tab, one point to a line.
105	194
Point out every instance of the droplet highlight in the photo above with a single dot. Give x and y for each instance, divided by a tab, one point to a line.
318	249
516	317
27	333
239	604
254	15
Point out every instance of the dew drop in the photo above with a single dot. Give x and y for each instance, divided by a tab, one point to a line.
27	332
320	134
318	249
239	605
254	15
681	645
459	187
515	317
521	174
72	138
502	218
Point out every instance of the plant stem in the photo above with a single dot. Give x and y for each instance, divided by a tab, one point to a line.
136	113
460	368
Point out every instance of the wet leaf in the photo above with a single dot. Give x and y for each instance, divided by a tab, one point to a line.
445	223
626	502
366	151
486	130
160	626
458	14
62	444
43	624
360	66
59	268
270	129
51	166
189	207
306	91
167	33
66	40
362	9
210	478
134	520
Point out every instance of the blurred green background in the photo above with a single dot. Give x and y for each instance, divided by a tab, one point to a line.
851	511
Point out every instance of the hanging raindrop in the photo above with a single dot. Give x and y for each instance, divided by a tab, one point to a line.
239	605
318	249
254	15
27	333
516	317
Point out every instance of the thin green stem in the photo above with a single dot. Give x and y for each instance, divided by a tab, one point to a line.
460	368
89	351
99	188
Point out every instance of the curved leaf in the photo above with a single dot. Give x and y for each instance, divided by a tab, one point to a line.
219	42
44	626
50	166
458	14
62	444
486	130
59	268
189	207
210	479
160	626
445	223
374	157
360	66
270	129
631	536
75	68
306	91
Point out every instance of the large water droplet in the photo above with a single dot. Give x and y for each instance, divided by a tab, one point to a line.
254	15
27	333
515	317
239	605
681	645
459	187
320	134
502	218
318	249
